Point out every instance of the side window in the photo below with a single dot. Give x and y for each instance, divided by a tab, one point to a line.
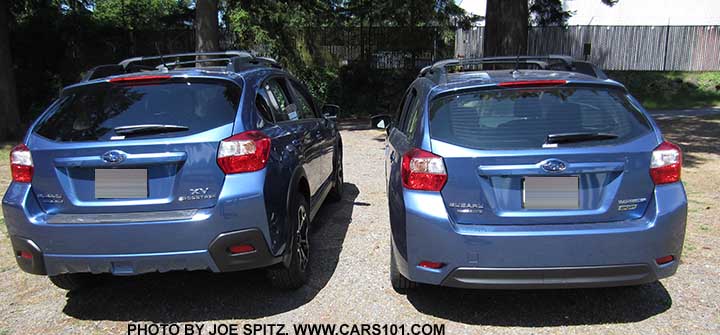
400	109
263	108
304	107
280	102
410	101
413	118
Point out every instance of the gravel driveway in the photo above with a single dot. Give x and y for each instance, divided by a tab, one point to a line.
350	254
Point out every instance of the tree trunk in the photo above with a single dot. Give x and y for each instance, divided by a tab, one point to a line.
506	28
9	117
207	37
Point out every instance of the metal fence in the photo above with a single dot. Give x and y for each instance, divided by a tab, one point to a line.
650	48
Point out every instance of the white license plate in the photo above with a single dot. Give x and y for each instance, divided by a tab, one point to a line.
121	184
551	192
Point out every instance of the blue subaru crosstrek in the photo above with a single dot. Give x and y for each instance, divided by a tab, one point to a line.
213	161
529	172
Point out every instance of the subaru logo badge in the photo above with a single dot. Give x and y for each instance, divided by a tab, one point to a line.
553	165
114	156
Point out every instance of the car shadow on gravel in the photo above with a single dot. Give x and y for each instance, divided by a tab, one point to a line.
204	296
540	308
696	135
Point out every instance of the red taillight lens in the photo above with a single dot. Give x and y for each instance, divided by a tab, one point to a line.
25	254
532	83
666	163
241	249
139	78
431	265
245	152
424	171
664	260
21	164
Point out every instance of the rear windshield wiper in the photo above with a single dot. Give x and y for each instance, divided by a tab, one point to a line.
148	129
578	137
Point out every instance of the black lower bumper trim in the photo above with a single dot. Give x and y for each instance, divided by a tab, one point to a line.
225	261
556	277
35	264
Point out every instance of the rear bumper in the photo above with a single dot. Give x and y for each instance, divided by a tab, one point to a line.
560	277
541	256
198	242
216	258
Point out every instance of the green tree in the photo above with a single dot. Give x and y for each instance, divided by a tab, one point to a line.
207	35
143	14
9	118
506	23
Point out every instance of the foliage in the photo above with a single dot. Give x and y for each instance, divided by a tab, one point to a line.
548	13
288	30
672	90
143	14
54	41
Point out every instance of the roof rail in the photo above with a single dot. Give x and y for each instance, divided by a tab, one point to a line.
234	60
232	53
438	71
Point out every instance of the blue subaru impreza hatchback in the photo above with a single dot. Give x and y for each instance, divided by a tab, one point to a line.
214	161
529	172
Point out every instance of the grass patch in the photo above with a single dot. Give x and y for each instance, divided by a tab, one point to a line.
672	90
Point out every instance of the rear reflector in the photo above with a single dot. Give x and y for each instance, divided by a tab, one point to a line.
665	260
532	83
422	170
25	254
431	265
666	163
139	78
21	164
241	249
244	152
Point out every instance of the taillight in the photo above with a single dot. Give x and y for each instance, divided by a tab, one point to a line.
532	83
666	163
21	164
422	170
244	152
139	78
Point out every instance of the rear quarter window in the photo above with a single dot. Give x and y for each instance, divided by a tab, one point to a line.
523	118
90	113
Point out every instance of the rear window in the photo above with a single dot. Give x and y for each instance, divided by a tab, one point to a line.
91	113
523	118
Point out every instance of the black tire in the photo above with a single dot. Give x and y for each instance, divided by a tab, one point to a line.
399	283
75	281
294	275
336	192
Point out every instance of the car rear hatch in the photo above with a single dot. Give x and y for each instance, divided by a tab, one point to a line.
133	144
555	154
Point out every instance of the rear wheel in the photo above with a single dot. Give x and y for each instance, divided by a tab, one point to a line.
399	283
337	190
294	275
75	281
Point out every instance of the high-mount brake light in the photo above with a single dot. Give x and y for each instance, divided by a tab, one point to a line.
666	163
423	171
21	164
244	152
139	78
532	83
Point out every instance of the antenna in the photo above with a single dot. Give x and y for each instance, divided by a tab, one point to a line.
161	56
515	71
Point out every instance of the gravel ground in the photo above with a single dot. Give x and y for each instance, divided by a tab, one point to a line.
349	281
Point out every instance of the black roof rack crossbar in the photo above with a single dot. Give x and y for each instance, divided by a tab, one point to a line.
439	70
234	60
195	61
231	53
